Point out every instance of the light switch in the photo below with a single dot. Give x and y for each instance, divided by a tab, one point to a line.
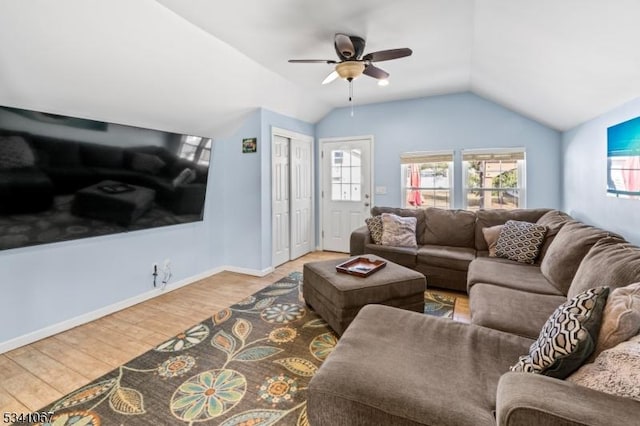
381	189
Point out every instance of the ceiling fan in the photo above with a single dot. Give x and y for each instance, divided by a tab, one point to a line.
352	64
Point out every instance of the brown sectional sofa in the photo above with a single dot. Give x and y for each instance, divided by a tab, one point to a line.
403	368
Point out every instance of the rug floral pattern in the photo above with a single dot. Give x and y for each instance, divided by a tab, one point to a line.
249	364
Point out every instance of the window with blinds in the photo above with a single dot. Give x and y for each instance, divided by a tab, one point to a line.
427	179
494	178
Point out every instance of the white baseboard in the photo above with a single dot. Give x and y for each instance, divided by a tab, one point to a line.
101	312
246	271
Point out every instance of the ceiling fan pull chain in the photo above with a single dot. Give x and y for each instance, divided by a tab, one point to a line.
351	95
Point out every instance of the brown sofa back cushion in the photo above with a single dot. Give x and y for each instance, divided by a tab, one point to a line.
488	218
454	228
417	213
554	221
569	247
611	263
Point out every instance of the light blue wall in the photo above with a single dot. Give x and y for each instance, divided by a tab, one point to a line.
584	151
247	193
43	285
449	122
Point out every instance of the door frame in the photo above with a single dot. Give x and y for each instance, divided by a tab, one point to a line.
277	131
346	139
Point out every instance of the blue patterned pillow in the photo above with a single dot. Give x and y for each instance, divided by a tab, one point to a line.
520	241
568	337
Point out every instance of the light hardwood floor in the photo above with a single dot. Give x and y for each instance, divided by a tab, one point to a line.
37	374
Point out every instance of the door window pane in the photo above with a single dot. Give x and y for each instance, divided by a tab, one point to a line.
346	175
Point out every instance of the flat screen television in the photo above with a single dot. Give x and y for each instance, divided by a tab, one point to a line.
64	178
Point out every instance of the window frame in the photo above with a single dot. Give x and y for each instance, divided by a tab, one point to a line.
427	157
517	154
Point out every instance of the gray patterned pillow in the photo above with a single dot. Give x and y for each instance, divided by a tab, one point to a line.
398	231
520	241
375	228
15	152
568	337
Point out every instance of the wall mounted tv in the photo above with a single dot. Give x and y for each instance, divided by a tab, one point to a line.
64	178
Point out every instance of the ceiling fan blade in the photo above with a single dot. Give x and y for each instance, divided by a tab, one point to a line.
312	61
386	55
344	46
328	79
375	72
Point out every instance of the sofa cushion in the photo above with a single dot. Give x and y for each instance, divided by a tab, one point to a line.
365	381
568	337
457	258
374	224
94	155
567	250
509	274
620	318
513	311
493	217
146	163
448	227
554	221
615	371
417	213
610	262
398	231
491	235
520	241
405	256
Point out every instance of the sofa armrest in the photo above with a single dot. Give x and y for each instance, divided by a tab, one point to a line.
525	399
360	237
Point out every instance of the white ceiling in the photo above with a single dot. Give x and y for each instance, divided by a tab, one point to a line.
199	66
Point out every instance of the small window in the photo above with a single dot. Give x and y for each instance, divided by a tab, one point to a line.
494	178
427	179
346	175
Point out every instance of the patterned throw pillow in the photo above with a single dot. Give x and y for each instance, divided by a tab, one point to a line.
375	228
520	241
398	231
568	337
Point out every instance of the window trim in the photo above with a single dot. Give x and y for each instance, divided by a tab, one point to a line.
421	157
518	154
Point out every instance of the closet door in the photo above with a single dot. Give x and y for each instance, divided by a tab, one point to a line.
280	200
301	194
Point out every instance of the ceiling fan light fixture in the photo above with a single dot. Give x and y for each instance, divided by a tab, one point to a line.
349	70
383	82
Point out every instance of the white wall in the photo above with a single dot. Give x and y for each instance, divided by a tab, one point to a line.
584	153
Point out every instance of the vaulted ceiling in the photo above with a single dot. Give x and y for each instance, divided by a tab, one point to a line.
199	65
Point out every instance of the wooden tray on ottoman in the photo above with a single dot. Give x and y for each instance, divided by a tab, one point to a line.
361	266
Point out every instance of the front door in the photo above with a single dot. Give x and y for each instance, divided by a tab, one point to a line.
346	190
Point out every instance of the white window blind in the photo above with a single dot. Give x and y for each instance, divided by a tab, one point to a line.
426	157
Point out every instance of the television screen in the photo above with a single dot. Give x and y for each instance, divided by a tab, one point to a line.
64	178
623	159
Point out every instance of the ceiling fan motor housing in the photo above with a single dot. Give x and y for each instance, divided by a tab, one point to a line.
349	47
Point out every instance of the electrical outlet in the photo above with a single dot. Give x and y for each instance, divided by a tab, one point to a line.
166	264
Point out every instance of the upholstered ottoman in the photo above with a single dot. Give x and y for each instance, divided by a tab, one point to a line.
338	297
124	208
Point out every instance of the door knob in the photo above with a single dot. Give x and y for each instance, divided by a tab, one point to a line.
366	204
366	195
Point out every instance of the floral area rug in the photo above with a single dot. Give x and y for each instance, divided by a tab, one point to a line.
439	305
249	364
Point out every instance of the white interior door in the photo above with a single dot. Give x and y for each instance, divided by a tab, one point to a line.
280	200
301	197
346	190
